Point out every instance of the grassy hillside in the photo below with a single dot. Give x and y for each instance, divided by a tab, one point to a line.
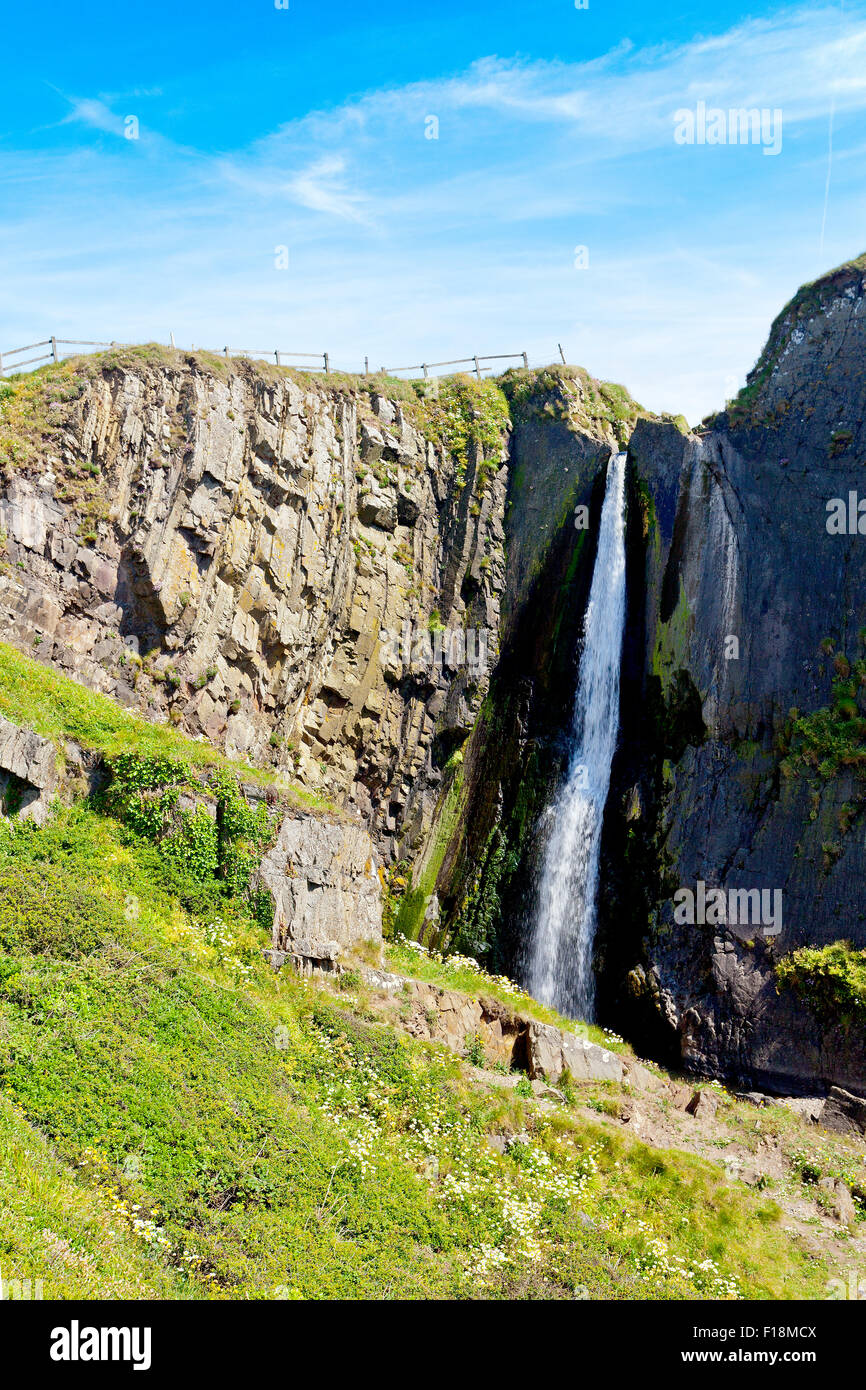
42	698
251	1137
178	1121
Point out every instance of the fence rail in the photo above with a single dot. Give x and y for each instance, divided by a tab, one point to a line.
459	362
51	356
303	361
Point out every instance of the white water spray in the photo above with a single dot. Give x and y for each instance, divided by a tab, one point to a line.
560	965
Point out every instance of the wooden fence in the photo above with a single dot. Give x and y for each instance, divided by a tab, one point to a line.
11	361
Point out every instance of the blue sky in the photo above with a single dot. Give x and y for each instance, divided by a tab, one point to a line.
304	128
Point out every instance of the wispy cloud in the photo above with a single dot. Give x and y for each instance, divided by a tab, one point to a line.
413	248
96	114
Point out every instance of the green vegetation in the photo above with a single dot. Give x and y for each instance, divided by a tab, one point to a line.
78	1239
570	394
34	408
670	654
409	916
831	980
824	742
679	421
185	1120
831	738
465	414
58	708
218	850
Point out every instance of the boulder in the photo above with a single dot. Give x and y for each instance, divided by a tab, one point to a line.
703	1105
28	771
552	1052
376	510
843	1209
844	1113
323	878
408	509
642	1079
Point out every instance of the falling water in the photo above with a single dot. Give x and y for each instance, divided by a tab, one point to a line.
560	966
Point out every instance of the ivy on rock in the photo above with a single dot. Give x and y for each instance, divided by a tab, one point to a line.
205	829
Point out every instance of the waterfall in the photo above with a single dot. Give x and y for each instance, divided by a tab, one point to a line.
560	956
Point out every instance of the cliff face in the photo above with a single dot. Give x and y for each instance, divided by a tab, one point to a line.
742	701
381	596
260	559
564	432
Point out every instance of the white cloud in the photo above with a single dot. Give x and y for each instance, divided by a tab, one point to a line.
408	249
95	114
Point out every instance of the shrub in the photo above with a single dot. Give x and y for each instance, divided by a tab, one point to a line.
830	979
44	912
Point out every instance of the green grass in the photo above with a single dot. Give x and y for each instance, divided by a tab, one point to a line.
58	708
73	1237
269	1143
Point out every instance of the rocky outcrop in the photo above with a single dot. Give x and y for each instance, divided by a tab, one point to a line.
28	772
487	1026
843	1113
260	557
554	1053
483	1029
746	615
466	1025
323	878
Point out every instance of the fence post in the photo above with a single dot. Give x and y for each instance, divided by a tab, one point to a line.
561	353
327	367
1	364
526	361
366	366
225	352
54	348
477	368
277	356
424	369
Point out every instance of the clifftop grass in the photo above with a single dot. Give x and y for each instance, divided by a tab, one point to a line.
570	394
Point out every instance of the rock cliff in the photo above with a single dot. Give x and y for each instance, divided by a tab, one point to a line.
306	574
743	697
378	591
